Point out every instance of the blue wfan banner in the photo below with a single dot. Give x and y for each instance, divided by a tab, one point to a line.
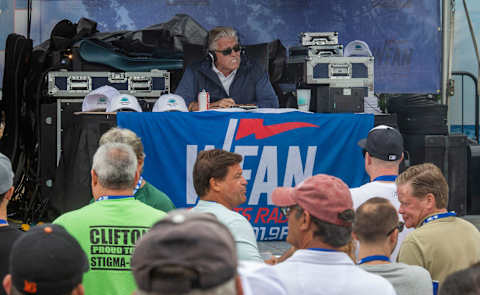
277	149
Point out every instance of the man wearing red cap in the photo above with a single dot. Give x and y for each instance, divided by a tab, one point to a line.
320	215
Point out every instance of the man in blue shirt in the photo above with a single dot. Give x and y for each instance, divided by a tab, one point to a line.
229	77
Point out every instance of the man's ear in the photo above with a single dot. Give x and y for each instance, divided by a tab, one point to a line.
305	221
79	290
214	184
141	162
7	283
354	236
9	193
431	202
94	178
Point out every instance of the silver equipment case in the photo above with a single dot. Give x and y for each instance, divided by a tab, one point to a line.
301	53
341	72
78	84
319	38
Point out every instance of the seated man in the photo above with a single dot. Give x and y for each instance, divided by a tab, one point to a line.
229	78
377	228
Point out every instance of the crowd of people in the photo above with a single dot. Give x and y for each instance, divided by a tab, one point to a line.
131	240
392	235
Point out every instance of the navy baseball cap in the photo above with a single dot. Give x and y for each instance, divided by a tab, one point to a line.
383	142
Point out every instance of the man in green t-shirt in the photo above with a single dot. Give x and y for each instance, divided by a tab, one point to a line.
145	192
108	229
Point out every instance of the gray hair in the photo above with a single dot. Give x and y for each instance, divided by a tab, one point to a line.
115	165
227	288
220	32
124	135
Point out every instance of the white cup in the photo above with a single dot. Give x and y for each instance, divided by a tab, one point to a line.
303	99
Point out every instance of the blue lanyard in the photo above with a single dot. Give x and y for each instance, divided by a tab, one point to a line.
439	216
322	249
386	178
113	198
374	258
3	221
139	184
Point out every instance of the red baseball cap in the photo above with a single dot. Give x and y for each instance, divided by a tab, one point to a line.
323	196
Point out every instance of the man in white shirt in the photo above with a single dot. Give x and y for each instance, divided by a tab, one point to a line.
221	187
383	152
320	215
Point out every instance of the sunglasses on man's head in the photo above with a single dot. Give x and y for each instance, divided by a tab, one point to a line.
229	50
399	226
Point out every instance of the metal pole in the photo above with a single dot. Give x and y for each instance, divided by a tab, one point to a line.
475	45
445	51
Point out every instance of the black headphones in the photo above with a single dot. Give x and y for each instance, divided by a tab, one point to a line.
212	55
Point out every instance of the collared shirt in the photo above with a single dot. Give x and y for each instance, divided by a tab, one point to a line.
442	246
226	81
333	272
238	225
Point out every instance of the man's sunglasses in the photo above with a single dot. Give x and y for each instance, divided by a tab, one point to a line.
400	226
229	50
286	210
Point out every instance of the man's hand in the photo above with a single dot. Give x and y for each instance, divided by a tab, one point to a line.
193	106
222	103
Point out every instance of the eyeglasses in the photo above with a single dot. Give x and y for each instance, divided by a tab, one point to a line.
286	210
229	50
400	226
364	151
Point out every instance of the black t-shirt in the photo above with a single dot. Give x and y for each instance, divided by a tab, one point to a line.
8	235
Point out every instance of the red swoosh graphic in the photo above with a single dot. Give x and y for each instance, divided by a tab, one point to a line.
255	126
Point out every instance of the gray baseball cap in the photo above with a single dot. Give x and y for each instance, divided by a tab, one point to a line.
6	174
183	252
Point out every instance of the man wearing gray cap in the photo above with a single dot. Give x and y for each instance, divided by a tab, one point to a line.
192	253
383	153
8	234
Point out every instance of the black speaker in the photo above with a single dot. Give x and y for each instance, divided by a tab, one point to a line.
449	153
473	186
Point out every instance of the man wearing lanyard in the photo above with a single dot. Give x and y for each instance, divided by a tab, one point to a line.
320	215
108	229
383	153
8	234
377	227
144	191
221	187
441	243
